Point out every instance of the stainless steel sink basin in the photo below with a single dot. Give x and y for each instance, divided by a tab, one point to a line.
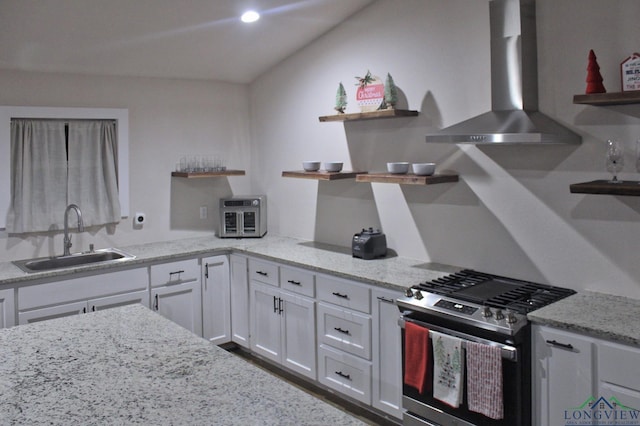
97	257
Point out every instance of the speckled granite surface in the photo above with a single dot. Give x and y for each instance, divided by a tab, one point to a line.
600	315
393	271
131	366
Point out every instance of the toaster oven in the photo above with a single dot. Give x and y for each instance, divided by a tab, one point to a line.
243	217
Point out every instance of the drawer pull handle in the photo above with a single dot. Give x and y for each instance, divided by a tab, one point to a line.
341	374
275	304
294	282
171	274
155	305
384	299
264	274
280	310
341	330
560	345
343	296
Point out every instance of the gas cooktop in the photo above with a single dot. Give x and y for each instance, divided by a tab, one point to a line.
488	301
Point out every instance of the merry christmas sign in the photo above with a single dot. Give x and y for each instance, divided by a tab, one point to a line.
630	73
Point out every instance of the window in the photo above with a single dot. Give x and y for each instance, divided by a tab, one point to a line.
121	117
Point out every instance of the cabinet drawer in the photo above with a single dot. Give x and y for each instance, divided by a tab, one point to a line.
343	293
618	364
298	281
345	373
175	272
346	330
263	271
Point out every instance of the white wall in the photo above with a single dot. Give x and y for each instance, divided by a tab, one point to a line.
511	213
167	119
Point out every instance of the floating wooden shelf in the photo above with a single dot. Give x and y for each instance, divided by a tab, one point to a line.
383	113
614	98
321	175
407	179
626	187
201	175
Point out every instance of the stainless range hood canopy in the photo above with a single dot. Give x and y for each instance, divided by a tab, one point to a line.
514	115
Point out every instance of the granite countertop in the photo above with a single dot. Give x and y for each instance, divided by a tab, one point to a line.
605	316
392	271
129	365
600	315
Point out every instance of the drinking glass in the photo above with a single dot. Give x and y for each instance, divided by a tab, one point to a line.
614	159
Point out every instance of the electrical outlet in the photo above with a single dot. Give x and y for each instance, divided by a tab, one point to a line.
203	212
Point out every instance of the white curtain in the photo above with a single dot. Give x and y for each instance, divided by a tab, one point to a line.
38	175
93	176
51	169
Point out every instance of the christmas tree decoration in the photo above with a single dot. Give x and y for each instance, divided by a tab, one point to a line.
370	93
594	78
341	99
390	92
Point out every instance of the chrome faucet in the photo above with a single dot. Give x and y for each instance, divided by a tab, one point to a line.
67	237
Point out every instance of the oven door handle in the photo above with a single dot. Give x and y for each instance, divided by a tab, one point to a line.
509	353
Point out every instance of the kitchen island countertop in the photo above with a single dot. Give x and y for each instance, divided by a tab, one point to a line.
129	365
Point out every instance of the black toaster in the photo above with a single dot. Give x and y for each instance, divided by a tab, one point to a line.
369	244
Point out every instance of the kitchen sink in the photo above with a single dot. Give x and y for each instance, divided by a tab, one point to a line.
97	257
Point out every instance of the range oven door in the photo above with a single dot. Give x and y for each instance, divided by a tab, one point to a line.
424	409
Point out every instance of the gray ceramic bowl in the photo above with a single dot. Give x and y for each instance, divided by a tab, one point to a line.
311	166
398	168
424	169
333	166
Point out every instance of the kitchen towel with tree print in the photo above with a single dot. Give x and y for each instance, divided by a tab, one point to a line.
448	368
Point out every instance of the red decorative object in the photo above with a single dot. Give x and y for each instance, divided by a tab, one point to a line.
594	78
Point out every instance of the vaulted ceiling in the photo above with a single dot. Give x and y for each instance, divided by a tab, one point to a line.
199	39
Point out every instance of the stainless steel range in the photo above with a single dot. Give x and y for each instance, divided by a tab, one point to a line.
477	308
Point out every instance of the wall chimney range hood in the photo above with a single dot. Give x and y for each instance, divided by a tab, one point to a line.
514	117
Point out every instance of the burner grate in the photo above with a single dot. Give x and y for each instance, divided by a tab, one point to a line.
497	292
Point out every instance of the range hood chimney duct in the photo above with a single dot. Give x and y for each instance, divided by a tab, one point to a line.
514	116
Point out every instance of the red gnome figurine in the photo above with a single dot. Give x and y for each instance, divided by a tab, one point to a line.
594	78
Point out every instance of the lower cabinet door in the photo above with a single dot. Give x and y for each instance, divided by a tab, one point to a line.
52	312
181	303
239	300
216	302
345	373
387	353
265	320
7	308
298	334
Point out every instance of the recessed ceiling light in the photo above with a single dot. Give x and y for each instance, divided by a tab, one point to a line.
250	16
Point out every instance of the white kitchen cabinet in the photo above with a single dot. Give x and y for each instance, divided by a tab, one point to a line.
283	328
216	299
181	303
563	373
239	300
344	336
79	295
176	293
386	352
619	374
82	307
7	308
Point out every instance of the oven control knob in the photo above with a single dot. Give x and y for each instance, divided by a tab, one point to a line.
511	318
486	312
418	295
408	292
499	314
